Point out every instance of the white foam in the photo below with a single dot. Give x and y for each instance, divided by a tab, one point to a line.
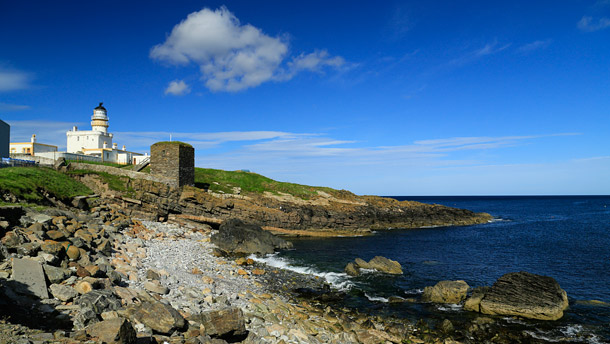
339	280
449	307
414	291
376	298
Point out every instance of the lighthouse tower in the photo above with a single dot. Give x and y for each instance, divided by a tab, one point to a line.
99	120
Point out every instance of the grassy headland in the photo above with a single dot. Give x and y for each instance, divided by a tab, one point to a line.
225	181
26	183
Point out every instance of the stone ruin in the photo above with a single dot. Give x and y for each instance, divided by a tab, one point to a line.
173	159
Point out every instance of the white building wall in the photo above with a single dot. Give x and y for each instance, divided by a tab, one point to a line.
87	139
42	148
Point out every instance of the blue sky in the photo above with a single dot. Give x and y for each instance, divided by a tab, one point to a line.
385	97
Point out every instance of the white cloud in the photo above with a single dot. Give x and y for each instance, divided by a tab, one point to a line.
536	45
589	24
177	88
231	56
12	80
13	107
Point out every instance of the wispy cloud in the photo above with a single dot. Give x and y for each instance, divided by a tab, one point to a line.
535	45
487	50
48	132
13	107
232	56
590	24
177	88
13	80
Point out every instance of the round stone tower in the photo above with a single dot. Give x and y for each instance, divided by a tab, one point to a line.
99	120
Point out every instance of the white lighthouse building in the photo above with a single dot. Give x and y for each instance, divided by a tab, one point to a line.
98	141
91	142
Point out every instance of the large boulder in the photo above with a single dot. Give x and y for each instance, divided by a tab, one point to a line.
235	236
386	265
160	317
378	263
113	331
525	295
446	292
224	323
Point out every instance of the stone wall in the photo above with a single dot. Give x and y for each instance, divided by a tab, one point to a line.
124	172
175	160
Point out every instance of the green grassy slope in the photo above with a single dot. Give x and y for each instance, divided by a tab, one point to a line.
249	182
26	183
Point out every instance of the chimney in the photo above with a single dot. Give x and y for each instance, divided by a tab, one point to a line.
123	147
34	138
115	145
74	128
105	144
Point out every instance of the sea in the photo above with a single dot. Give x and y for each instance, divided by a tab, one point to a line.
564	237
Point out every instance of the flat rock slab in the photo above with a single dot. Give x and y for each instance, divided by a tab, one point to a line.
30	274
526	295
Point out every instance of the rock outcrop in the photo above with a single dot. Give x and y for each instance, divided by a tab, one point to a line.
378	263
325	215
238	237
446	292
523	294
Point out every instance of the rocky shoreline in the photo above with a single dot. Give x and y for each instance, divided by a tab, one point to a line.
72	276
323	215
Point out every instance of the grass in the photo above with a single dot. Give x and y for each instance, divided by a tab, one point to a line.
178	143
117	183
111	164
26	183
224	181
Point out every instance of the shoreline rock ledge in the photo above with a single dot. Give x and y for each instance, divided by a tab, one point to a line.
378	263
521	294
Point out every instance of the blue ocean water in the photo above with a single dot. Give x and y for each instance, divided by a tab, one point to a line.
565	237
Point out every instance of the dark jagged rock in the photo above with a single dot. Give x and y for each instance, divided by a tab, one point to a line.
236	236
526	295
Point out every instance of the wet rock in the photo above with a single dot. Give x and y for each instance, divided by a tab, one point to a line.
351	269
111	331
30	274
526	295
238	237
473	302
63	292
378	263
226	323
446	292
158	316
386	265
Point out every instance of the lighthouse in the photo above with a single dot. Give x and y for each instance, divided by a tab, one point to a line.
99	120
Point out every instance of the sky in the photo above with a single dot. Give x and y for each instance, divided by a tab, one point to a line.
376	97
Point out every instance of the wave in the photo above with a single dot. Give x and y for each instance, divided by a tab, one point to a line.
376	298
452	307
338	280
